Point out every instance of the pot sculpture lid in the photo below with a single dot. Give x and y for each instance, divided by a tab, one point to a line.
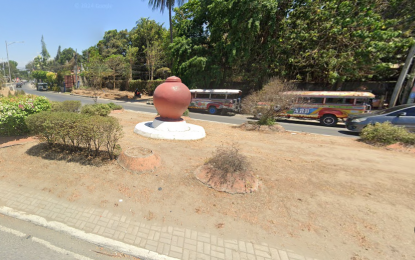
172	98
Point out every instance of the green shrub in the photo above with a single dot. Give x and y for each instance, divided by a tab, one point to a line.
76	131
66	106
56	88
113	106
144	86
386	134
14	110
186	113
266	120
96	109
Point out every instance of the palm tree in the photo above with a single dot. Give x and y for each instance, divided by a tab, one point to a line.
163	4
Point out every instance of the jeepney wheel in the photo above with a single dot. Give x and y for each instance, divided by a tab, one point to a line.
258	115
212	110
328	120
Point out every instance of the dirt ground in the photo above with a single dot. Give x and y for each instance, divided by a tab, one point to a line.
321	196
108	94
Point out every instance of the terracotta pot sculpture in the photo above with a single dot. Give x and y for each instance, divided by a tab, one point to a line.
171	99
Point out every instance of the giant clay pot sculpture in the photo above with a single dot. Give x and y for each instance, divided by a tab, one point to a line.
171	98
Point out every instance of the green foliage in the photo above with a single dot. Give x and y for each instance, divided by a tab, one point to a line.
113	106
66	106
96	109
14	110
39	75
77	130
44	53
144	86
186	113
51	78
386	134
163	73
266	120
66	55
314	41
117	64
113	43
96	71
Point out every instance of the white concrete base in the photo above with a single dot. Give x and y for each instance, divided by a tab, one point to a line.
179	130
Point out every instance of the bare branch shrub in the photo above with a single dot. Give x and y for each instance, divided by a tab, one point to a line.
228	160
270	100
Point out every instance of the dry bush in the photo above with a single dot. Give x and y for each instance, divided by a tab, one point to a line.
264	104
228	160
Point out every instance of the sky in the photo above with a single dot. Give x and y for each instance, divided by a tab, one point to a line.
78	24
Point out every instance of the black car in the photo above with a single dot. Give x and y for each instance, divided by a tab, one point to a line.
19	84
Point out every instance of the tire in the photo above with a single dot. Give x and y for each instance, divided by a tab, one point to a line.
258	115
212	110
328	120
277	108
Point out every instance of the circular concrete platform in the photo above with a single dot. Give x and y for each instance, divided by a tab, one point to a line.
139	159
170	130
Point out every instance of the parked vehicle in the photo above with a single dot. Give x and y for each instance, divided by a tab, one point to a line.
42	86
326	106
403	115
216	100
19	84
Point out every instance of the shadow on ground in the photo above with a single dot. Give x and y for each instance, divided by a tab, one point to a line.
6	139
64	153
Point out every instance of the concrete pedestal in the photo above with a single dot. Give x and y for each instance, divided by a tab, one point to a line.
170	130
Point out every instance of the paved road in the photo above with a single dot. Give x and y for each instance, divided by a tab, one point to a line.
23	240
290	125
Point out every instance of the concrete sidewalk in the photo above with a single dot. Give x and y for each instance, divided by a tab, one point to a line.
128	234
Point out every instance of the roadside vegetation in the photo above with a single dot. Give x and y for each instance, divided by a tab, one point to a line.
65	125
316	43
267	102
14	110
75	132
228	170
386	134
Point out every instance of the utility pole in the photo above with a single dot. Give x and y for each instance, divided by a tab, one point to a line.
76	68
7	51
8	62
402	76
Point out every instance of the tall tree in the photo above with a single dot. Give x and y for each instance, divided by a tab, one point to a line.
131	57
117	65
144	35
44	53
96	70
113	43
162	5
58	54
66	55
154	56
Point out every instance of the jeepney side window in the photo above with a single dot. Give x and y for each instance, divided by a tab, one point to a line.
193	95
361	101
203	95
316	100
334	100
350	101
218	96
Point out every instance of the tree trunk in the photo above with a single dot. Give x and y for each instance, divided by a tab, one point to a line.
171	26
114	80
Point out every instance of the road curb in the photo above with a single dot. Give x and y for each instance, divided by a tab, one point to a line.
111	244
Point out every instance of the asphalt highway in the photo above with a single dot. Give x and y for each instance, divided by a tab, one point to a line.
307	126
